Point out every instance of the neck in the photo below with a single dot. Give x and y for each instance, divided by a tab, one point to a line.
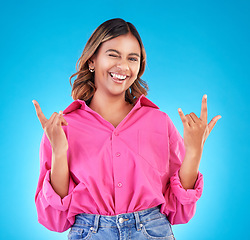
107	105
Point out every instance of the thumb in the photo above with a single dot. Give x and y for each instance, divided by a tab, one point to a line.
213	122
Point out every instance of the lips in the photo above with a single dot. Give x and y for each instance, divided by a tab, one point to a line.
118	78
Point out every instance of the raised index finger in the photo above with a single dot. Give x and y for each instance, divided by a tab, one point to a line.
203	116
39	113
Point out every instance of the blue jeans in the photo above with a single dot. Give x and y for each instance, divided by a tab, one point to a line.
145	224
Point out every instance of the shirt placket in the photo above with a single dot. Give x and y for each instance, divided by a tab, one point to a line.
118	170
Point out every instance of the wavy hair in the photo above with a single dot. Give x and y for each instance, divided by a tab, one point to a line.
84	87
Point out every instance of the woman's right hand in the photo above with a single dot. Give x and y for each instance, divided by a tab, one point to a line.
53	129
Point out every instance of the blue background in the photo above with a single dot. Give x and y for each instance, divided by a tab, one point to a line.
193	48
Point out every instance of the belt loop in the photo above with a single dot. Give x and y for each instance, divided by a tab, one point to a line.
96	223
137	221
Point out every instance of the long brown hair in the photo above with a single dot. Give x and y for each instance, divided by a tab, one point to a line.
84	86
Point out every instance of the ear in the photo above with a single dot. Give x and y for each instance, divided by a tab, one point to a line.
91	62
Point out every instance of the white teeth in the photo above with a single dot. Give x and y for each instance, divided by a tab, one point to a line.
122	77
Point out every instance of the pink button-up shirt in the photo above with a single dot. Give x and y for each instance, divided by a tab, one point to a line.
117	170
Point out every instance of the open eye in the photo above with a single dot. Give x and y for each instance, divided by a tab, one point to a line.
133	59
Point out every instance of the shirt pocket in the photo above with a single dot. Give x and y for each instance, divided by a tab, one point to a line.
153	148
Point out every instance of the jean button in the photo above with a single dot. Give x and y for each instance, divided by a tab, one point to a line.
121	220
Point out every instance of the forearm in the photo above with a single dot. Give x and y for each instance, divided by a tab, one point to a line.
59	176
189	169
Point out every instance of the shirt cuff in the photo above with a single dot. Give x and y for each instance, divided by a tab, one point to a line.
188	196
52	198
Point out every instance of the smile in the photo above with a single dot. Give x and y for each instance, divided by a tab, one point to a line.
117	77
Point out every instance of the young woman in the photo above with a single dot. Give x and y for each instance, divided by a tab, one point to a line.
113	166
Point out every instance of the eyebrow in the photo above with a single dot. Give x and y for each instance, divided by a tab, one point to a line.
113	50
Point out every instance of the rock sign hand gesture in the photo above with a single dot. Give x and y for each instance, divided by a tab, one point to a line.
52	128
196	130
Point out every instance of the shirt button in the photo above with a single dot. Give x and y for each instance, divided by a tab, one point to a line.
119	184
116	133
118	154
121	220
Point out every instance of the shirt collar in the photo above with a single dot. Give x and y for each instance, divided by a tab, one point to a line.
80	104
143	101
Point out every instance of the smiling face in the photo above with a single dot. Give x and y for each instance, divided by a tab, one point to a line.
116	64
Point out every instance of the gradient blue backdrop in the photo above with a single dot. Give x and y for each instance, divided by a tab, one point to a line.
193	48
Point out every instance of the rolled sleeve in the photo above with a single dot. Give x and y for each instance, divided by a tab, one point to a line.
188	196
53	199
180	203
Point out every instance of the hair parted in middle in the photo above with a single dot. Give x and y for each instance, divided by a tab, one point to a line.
84	86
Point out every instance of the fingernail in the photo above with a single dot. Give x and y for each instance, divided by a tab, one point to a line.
60	112
179	110
205	96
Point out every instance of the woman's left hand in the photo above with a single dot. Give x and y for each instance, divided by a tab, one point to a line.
196	130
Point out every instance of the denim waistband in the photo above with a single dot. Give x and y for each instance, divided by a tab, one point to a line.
138	218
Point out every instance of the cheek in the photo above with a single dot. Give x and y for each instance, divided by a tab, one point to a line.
102	65
136	70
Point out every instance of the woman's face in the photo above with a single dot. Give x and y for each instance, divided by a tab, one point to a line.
116	64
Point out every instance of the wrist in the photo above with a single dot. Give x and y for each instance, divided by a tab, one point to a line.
194	152
59	152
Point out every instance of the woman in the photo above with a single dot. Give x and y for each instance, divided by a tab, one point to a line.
114	166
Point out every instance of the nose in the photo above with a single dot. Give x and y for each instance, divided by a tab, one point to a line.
123	64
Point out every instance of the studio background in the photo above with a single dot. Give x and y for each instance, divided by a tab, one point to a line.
193	48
